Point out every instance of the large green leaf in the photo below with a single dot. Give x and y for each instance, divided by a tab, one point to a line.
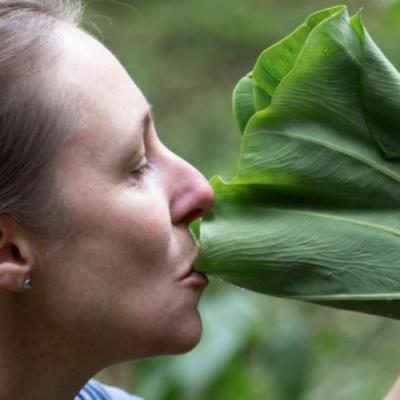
313	213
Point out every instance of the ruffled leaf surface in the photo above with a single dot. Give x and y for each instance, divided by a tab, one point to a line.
314	211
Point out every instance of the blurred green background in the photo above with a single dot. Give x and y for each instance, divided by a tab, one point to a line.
187	56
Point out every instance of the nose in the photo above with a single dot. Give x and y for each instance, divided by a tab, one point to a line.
191	194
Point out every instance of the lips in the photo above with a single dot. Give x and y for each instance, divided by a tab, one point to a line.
194	278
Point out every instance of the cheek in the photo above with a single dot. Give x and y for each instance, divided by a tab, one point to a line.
116	274
129	237
140	241
118	245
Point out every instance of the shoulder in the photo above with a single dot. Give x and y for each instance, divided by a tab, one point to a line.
118	394
95	390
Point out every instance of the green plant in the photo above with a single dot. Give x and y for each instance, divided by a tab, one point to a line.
313	213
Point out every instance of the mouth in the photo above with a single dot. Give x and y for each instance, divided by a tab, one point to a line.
193	278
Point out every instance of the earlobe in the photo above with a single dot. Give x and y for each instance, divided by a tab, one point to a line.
16	261
13	277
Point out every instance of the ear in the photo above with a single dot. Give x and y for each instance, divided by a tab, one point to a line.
16	255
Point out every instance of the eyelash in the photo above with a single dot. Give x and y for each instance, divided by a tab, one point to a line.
141	171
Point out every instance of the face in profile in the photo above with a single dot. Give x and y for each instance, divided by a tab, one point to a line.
116	281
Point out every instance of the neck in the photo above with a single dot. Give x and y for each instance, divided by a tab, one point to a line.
34	363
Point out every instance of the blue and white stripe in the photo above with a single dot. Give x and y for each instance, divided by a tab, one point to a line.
94	390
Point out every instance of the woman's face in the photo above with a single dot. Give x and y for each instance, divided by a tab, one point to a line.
116	283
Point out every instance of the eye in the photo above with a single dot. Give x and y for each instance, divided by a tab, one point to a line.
141	171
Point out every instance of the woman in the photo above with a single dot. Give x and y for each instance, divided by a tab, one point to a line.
95	250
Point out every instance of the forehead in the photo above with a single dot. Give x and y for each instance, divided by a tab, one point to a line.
108	98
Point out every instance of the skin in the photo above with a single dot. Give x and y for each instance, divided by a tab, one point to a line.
394	392
111	290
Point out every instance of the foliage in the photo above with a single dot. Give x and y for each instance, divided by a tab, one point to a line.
313	211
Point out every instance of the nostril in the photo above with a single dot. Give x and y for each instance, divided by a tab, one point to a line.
192	215
15	252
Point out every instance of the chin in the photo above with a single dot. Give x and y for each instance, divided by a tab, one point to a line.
171	342
184	339
188	343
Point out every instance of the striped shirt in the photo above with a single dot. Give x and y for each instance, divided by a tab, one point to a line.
94	390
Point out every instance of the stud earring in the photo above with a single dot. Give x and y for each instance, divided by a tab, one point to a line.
28	285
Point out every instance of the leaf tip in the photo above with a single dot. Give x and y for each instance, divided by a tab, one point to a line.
357	23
